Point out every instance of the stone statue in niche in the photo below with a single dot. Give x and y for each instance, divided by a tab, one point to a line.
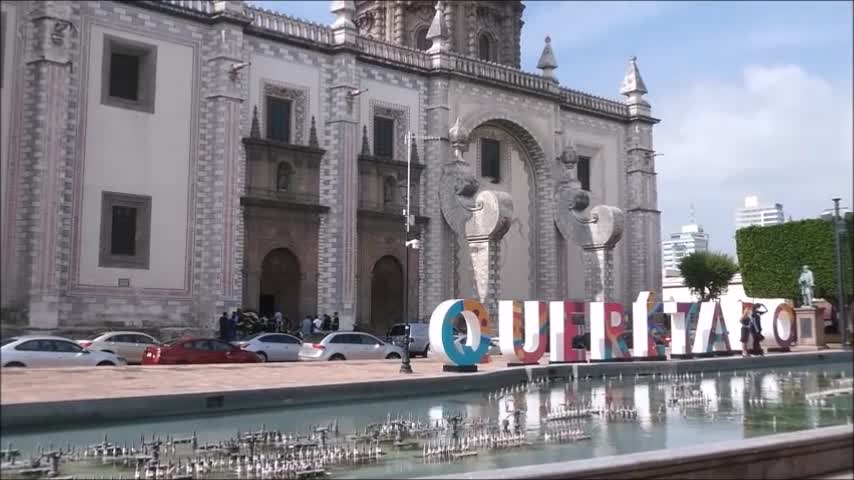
807	284
283	177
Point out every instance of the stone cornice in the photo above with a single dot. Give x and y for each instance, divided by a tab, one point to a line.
262	142
249	201
390	162
278	27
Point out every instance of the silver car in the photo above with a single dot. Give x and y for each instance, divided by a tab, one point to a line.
130	345
347	346
418	332
51	352
272	347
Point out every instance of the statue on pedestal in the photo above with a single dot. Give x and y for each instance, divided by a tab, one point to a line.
807	284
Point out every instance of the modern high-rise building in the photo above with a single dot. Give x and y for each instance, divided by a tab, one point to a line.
753	213
690	239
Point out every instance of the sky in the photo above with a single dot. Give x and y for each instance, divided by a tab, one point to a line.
755	98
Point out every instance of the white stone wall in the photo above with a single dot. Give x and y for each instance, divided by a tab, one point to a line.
127	151
8	103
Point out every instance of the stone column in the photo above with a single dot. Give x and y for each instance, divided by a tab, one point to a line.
41	224
484	232
338	262
598	273
219	228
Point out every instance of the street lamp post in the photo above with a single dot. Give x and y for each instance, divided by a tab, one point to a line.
840	274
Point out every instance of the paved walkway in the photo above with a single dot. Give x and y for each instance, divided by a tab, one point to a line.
82	383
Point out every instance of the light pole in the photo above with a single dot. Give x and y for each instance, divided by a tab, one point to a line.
838	225
405	366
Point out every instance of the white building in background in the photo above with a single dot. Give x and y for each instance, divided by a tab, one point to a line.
691	239
755	214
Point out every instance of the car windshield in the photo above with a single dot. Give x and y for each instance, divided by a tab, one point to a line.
8	341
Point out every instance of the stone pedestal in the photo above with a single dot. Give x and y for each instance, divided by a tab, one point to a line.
810	322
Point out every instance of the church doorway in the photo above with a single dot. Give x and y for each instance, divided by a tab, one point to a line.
280	279
386	294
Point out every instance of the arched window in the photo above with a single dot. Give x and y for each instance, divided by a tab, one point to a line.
283	176
389	191
484	51
421	42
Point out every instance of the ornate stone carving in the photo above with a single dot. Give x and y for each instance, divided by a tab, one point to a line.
596	233
366	145
400	115
312	134
255	129
299	106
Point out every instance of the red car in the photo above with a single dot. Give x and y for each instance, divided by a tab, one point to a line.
196	350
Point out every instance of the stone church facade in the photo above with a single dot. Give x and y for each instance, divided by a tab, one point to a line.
164	161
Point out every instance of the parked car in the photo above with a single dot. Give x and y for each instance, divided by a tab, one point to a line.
197	350
418	332
48	351
272	347
348	346
130	345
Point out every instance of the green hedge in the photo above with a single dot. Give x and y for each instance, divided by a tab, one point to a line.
770	258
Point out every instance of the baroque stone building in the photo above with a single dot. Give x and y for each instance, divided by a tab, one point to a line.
163	161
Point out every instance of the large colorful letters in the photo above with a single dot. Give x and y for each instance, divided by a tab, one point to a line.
562	329
523	329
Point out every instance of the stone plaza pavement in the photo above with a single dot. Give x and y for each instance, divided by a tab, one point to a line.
82	383
46	385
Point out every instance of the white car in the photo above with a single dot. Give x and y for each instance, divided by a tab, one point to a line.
348	346
129	345
272	347
47	351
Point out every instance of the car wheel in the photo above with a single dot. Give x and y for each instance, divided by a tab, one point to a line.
106	363
262	357
392	356
337	356
14	364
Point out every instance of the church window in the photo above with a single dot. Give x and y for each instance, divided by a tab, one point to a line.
583	167
490	159
128	74
389	191
383	137
278	119
125	230
284	174
421	42
484	51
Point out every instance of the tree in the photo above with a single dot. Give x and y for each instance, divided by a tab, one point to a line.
707	274
771	258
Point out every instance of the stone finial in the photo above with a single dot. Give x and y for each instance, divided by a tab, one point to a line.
366	146
312	135
345	11
255	130
459	138
548	62
633	87
233	7
438	32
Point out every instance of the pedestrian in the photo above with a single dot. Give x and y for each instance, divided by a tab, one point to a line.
307	326
286	325
327	322
745	331
223	327
278	323
318	323
756	328
335	323
356	327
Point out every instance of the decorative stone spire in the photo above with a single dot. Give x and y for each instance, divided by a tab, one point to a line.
413	147
438	32
459	138
366	147
255	130
312	135
548	62
345	11
633	87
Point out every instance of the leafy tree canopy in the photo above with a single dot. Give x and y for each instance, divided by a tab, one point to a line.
707	274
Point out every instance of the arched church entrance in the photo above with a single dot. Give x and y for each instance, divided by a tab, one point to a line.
280	279
386	294
506	158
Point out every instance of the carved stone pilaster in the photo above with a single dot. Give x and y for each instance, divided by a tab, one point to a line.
484	231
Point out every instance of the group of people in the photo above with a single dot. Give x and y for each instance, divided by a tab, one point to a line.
751	329
242	324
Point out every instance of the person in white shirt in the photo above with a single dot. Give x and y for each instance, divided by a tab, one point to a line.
317	323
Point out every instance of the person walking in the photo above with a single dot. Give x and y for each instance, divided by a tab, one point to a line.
318	323
278	323
307	326
756	328
223	327
327	323
335	323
